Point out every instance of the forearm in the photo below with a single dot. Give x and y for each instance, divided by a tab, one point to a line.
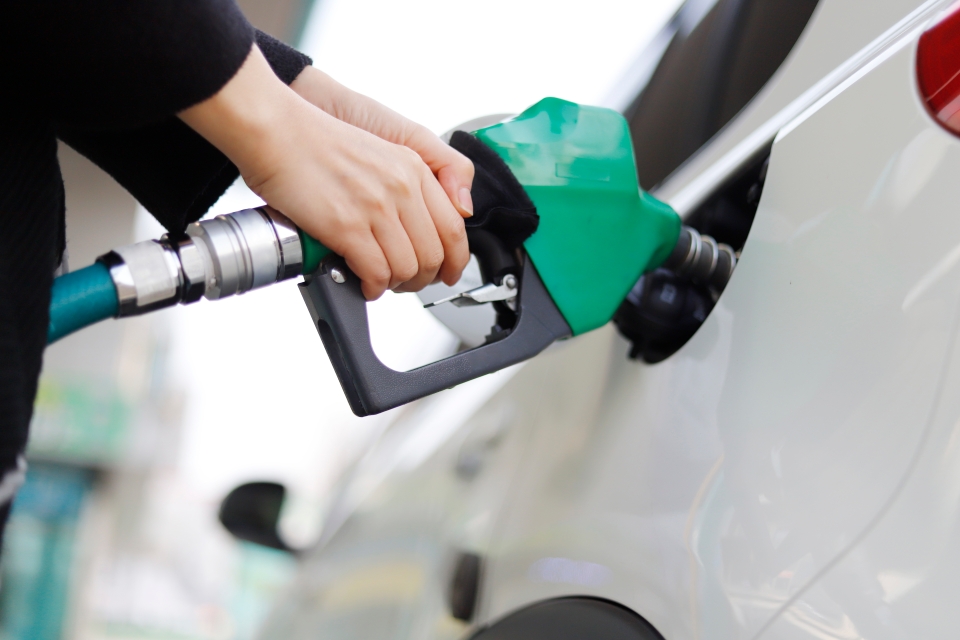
171	170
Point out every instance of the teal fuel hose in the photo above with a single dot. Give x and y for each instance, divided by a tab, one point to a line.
79	299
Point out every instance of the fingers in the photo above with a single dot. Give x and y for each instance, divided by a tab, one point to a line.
420	228
398	246
409	234
456	182
433	226
367	260
408	252
450	229
454	170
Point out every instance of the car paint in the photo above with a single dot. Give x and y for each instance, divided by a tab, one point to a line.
790	473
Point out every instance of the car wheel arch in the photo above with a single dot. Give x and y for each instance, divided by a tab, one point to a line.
570	618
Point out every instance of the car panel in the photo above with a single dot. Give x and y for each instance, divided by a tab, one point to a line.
899	578
714	487
841	37
429	488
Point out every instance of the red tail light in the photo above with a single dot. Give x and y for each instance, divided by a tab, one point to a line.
938	69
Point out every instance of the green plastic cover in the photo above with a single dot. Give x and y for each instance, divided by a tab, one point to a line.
599	232
313	252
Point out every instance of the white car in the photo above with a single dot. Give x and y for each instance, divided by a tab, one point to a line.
793	470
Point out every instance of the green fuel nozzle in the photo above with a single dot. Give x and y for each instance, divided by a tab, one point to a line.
598	233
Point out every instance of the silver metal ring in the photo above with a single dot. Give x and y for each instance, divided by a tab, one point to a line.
219	244
291	251
733	259
152	269
241	252
714	256
122	282
696	243
193	269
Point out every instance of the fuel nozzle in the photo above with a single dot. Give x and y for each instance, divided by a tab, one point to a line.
217	258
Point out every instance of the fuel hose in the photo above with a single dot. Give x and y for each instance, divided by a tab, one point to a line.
79	299
216	258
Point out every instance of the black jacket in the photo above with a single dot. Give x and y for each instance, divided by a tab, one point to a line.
106	77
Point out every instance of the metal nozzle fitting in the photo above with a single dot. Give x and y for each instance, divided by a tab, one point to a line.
245	250
702	259
217	258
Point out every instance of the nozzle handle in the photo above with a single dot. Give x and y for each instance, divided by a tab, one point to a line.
339	311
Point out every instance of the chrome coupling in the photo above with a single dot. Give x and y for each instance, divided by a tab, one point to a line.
146	276
243	251
217	258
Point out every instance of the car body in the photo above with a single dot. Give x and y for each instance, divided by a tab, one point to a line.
793	471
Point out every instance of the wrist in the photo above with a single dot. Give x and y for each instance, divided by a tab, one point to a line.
242	119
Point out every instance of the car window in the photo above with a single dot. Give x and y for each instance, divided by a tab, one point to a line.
718	60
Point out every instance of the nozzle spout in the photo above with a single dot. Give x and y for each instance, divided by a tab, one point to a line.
702	259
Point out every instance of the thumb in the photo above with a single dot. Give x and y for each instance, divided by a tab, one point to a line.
454	171
457	182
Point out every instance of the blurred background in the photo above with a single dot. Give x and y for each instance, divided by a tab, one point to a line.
143	426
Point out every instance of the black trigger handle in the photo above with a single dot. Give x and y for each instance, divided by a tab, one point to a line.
339	310
492	255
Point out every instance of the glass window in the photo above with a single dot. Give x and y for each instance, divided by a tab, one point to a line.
719	58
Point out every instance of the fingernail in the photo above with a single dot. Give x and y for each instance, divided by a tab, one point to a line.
466	200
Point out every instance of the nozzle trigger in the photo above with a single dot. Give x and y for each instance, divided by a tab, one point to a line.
506	291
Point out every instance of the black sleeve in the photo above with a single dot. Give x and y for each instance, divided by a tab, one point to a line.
170	169
118	63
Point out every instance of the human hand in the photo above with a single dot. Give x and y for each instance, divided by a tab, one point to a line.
373	202
452	169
